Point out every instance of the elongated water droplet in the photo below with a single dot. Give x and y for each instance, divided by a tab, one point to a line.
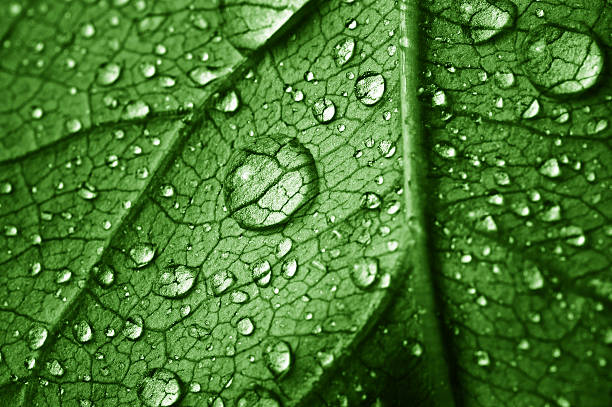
82	331
228	103
364	272
370	88
36	337
160	388
560	61
324	110
289	268
344	50
278	357
551	168
269	180
370	200
136	110
87	192
221	281
239	297
142	254
176	281
261	273
133	327
108	74
284	246
483	19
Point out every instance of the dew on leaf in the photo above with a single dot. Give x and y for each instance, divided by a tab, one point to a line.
63	276
551	214
439	99
5	187
344	51
324	110
36	337
533	278
269	180
147	69
87	192
482	358
133	327
596	125
108	74
203	76
29	362
261	273
559	61
289	268
166	191
10	230
370	88
239	297
504	80
55	368
284	246
364	272
256	398
175	281
532	110
37	113
73	125
574	235
137	109
370	200
550	168
142	254
277	355
228	103
484	18
245	326
104	274
160	388
82	331
221	281
166	81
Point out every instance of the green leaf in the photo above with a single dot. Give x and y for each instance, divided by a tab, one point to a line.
339	203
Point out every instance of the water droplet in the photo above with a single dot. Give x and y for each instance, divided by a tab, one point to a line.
239	297
256	398
532	110
63	276
344	50
324	110
269	181
245	326
261	273
136	110
104	274
439	99
82	331
167	190
229	103
54	368
108	74
369	88
284	246
203	76
6	187
549	66
533	278
278	357
364	272
133	327
551	214
596	125
36	337
147	69
550	168
73	125
175	281
482	358
87	192
142	254
289	268
370	200
485	19
160	388
221	281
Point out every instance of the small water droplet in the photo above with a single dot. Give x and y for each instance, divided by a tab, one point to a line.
82	331
364	272
55	368
136	110
167	190
370	200
245	326
228	103
261	273
133	327
284	246
221	281
324	110
344	50
482	358
104	274
73	125
550	168
532	110
239	297
289	268
63	276
87	192
6	187
370	88
108	74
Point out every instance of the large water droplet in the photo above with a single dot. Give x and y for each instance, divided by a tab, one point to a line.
133	327
137	109
176	281
364	272
551	168
369	88
245	326
104	274
289	268
278	357
269	180
37	335
142	254
324	110
228	103
108	74
160	388
484	19
560	61
82	331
